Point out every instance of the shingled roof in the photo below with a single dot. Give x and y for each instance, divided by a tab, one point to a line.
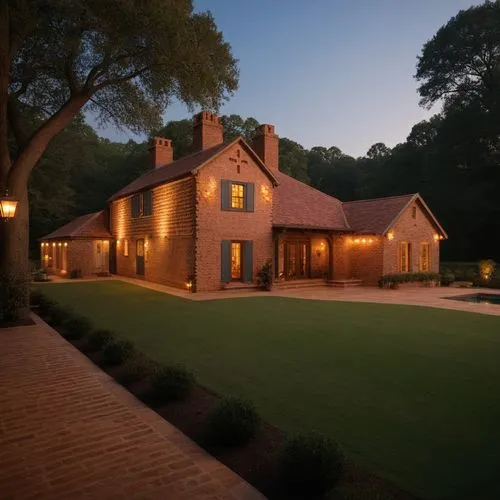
183	167
379	214
89	226
297	205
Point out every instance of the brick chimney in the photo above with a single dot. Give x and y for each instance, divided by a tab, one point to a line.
266	145
162	152
207	131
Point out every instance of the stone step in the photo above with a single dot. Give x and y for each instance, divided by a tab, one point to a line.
306	283
344	283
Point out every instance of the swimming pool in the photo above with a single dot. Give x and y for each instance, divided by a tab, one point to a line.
479	298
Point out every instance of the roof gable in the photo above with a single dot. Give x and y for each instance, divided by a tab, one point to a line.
187	165
92	226
378	215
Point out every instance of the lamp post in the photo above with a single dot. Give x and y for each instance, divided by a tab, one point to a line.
8	205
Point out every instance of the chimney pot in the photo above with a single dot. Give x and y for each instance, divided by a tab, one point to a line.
266	145
162	152
207	131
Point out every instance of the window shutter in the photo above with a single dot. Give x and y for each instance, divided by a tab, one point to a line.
147	198
225	190
248	261
249	197
135	205
225	261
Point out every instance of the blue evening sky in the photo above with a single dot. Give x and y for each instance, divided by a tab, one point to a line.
326	72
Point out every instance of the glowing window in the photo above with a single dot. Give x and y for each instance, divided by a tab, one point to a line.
125	248
237	196
236	260
404	256
425	257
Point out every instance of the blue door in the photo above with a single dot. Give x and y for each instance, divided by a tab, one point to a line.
139	257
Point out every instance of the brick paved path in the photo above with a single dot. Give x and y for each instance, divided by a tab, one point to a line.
67	430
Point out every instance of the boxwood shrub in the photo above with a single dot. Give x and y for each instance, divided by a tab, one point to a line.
387	280
117	352
310	464
233	422
137	368
77	327
57	315
172	382
99	339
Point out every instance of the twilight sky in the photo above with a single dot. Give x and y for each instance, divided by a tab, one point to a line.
327	72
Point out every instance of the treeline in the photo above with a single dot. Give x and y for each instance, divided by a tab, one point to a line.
443	158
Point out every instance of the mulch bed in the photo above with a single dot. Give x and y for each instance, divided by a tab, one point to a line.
257	461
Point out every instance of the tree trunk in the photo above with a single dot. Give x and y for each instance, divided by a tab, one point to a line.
15	237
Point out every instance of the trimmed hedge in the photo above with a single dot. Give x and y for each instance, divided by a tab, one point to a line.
77	327
233	422
172	383
135	369
310	464
387	280
118	352
99	339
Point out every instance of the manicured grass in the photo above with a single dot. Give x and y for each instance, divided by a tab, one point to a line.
411	393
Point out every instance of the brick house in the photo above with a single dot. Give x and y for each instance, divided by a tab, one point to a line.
210	220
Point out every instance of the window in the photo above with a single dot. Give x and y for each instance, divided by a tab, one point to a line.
125	248
147	203
142	204
404	256
235	260
237	196
136	205
414	212
425	263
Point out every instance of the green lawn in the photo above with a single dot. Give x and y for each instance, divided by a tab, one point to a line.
410	392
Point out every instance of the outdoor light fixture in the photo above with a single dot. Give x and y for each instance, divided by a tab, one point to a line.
189	285
390	236
8	206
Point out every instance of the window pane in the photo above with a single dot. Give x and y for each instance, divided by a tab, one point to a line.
235	260
237	196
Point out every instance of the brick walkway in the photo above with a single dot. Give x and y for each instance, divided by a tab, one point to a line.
67	430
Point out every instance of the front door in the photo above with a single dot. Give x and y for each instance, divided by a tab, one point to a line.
139	257
296	260
112	257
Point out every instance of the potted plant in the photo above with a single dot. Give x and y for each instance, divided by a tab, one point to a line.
265	275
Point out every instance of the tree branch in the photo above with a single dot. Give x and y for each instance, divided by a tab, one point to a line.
39	140
18	130
116	81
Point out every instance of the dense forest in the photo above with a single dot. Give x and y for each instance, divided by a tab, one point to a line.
452	159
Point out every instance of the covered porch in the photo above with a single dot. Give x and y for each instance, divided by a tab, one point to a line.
302	254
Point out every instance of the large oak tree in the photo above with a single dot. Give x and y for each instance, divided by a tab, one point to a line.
123	60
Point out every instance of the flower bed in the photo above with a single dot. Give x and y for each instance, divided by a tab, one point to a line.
393	281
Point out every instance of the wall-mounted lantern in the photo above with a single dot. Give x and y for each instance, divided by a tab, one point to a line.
8	205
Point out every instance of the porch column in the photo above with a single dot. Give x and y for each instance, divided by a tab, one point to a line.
276	249
330	256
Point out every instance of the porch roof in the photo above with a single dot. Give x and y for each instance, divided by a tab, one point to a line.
89	226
